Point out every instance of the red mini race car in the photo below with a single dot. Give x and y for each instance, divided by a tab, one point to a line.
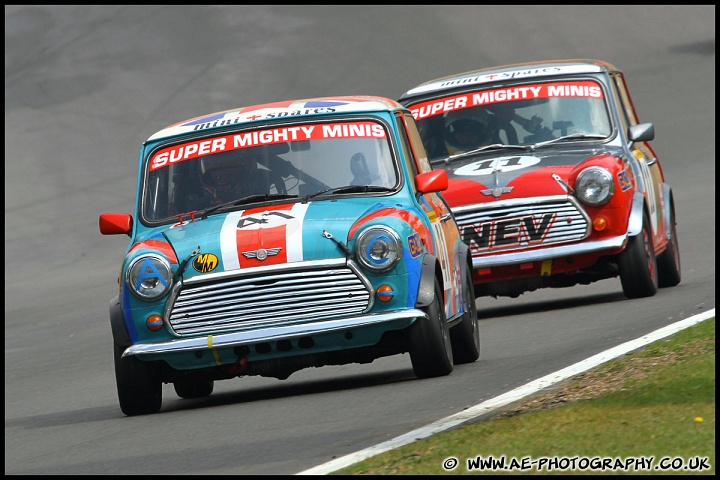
552	179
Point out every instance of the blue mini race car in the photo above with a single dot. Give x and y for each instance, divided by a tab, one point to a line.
273	238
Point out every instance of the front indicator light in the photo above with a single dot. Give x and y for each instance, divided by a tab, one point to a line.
599	224
385	293
154	323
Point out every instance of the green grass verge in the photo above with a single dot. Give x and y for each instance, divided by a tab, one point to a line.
657	402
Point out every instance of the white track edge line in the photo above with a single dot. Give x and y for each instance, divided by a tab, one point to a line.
507	398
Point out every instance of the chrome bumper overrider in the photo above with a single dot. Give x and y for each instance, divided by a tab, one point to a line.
269	334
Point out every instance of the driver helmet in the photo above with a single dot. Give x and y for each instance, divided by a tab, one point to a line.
228	171
466	129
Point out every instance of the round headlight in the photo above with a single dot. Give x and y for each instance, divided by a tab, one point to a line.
594	186
378	248
149	277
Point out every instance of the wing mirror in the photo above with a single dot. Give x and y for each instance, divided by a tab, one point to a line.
116	223
433	181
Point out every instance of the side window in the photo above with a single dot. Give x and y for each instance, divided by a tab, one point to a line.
416	144
156	195
626	110
410	165
646	170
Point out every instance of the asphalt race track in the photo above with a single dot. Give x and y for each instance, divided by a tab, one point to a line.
85	86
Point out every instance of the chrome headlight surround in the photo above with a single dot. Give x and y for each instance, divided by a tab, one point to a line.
594	186
149	276
378	248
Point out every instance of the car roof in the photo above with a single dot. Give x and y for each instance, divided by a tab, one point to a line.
518	70
278	110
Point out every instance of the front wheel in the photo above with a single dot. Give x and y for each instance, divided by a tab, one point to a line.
139	392
638	265
430	347
465	336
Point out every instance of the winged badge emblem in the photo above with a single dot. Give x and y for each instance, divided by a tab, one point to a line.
262	253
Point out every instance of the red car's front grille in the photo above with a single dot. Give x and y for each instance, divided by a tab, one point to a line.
521	224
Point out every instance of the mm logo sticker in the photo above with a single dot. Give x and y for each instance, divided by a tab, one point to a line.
415	245
206	262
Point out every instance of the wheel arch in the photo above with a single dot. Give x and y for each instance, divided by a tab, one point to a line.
426	289
669	209
121	337
638	211
465	259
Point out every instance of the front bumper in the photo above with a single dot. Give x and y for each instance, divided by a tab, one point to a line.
273	333
512	258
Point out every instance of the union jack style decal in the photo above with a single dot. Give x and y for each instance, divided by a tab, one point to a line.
276	231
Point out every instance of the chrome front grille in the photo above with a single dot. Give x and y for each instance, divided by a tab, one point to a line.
521	224
256	297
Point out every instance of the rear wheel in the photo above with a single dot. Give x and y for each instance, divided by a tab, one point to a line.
193	387
638	265
430	346
668	262
465	336
139	392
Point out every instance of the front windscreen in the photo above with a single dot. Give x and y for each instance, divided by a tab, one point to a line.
515	115
280	162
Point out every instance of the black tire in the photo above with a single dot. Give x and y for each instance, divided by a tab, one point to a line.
668	262
430	347
193	387
138	390
465	336
638	265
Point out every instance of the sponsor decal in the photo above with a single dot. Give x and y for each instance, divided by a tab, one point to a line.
504	76
508	232
584	89
224	120
500	164
206	262
494	77
270	136
624	180
285	109
415	245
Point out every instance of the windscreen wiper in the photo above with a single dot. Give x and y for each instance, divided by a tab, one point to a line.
248	199
347	189
492	146
572	136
